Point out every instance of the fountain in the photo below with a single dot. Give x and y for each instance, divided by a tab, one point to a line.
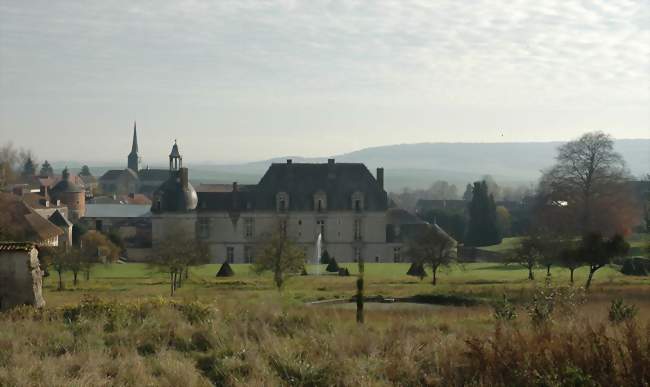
318	252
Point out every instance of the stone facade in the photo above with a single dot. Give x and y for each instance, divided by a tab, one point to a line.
20	276
343	202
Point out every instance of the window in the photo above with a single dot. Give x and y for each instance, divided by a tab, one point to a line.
248	228
282	201
248	254
230	254
357	201
397	254
320	201
357	230
321	227
203	228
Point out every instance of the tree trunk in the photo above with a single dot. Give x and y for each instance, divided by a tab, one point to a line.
531	276
187	272
548	270
60	281
277	277
435	271
360	286
179	279
572	270
74	277
592	270
172	282
87	273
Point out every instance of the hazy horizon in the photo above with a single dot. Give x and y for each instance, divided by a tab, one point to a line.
238	81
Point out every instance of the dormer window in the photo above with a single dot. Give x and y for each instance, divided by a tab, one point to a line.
282	201
320	201
358	204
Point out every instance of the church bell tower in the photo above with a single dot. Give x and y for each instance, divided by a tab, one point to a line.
134	158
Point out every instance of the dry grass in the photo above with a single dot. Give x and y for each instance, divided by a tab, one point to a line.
238	342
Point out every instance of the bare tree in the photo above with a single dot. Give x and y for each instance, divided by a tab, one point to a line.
175	252
528	254
588	188
432	247
279	255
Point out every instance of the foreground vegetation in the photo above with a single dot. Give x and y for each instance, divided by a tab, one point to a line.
121	328
236	342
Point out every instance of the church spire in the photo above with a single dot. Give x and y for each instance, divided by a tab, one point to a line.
134	157
134	146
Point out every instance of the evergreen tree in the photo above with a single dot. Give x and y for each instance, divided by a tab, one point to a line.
483	228
29	168
46	170
85	171
468	193
325	258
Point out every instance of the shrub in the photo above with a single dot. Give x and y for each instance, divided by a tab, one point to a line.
636	266
225	270
504	310
548	300
196	312
333	266
417	270
620	312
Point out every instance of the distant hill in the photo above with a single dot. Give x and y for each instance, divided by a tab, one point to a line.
418	165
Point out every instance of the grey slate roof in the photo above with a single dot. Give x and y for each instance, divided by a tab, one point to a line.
302	180
153	174
117	211
115	174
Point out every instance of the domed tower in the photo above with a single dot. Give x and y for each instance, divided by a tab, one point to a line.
70	194
176	194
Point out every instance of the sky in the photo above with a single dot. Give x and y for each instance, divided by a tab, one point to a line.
248	80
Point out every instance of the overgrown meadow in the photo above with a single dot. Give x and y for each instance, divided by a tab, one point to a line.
482	325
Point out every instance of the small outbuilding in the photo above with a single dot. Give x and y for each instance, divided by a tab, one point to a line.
21	277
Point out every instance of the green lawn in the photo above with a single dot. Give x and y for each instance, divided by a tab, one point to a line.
482	280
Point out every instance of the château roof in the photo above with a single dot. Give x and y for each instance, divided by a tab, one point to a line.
302	180
153	174
115	174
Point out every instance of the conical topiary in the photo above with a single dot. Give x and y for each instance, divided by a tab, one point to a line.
325	258
332	266
417	270
225	270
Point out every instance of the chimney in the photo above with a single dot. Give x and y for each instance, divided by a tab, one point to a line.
380	177
331	174
184	178
289	161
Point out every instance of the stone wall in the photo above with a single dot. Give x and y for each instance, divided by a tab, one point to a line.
20	277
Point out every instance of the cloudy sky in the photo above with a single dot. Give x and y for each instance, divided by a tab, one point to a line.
246	80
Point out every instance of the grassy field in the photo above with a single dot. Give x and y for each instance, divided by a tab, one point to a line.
121	327
485	280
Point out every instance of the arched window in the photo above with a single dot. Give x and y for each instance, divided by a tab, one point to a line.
282	201
320	201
